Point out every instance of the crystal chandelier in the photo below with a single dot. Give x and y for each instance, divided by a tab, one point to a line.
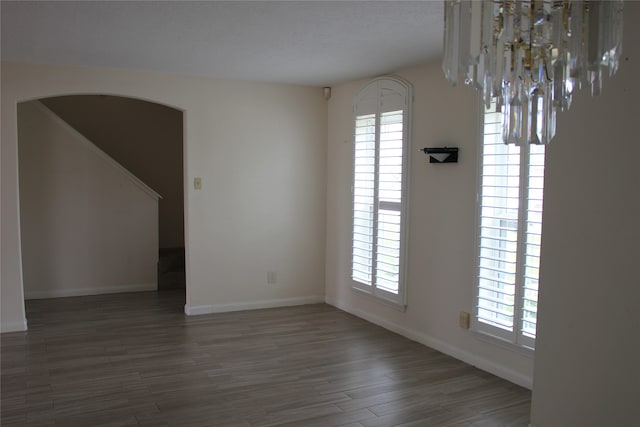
531	55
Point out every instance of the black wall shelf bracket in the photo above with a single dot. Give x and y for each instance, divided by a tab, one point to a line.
441	154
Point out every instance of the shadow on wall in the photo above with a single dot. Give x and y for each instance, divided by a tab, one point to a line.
145	138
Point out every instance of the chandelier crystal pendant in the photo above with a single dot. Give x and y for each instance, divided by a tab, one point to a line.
531	55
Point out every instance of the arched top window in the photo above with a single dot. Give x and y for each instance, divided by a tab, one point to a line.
381	141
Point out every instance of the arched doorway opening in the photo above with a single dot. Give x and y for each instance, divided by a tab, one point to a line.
146	139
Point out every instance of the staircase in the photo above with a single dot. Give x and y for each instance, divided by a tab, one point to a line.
171	270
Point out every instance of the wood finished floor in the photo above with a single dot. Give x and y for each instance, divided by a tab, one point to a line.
137	360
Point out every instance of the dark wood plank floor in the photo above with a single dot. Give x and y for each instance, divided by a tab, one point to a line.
136	359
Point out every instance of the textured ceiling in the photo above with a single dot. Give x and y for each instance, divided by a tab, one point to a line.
301	42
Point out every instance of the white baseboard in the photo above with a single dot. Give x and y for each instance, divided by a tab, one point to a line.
250	305
14	326
61	293
442	346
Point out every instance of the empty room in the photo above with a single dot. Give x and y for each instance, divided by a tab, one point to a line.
320	213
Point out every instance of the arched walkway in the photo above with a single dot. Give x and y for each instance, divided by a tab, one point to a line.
85	226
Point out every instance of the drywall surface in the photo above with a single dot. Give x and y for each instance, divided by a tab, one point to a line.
442	218
87	226
587	370
145	138
260	151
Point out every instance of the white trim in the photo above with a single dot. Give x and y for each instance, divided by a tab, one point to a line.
195	310
504	343
378	296
14	326
62	293
110	160
442	346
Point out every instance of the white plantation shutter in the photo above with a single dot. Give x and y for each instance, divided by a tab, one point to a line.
533	237
363	198
389	201
510	209
379	188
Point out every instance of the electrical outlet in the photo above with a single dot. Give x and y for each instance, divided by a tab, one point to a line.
464	320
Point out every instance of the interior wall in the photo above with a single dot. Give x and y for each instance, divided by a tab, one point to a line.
144	137
86	226
587	368
260	150
442	218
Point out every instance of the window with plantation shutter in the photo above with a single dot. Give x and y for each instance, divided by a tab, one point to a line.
381	156
510	229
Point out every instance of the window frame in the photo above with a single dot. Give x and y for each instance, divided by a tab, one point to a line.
403	87
514	339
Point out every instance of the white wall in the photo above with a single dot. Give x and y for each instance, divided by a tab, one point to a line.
442	224
87	226
260	151
587	368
